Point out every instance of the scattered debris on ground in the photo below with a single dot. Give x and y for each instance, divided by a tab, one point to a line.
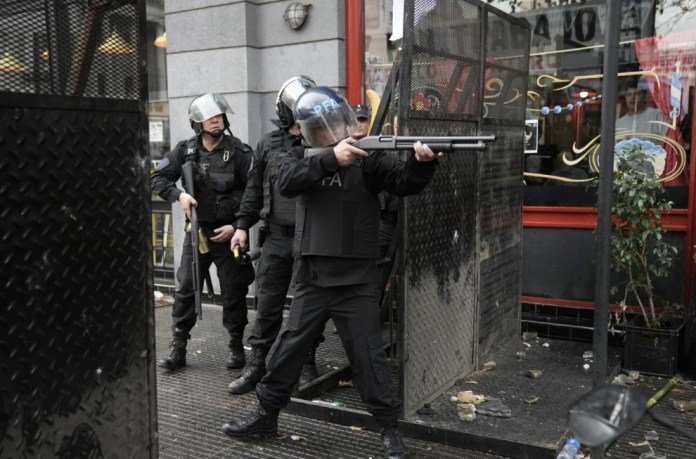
534	374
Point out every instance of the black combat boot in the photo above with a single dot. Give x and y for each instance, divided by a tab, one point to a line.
262	422
237	358
394	447
177	357
309	368
251	374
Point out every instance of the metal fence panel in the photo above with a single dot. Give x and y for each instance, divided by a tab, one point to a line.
77	377
461	251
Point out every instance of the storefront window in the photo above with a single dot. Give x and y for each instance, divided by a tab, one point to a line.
158	108
380	51
158	122
655	97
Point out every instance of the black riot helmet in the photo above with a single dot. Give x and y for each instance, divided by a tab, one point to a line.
289	92
205	107
324	117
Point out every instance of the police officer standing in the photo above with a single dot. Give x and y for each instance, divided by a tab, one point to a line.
221	165
262	200
337	243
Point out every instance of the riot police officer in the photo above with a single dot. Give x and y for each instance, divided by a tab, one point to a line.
262	200
338	246
221	165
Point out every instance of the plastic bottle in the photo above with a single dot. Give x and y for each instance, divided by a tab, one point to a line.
570	449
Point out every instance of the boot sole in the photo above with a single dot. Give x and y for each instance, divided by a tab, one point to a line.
260	432
235	366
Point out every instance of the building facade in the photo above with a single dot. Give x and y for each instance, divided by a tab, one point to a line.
246	49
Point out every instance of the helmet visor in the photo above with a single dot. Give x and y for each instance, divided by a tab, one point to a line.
207	106
328	128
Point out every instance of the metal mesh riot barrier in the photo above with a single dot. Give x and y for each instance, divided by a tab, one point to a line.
70	47
76	376
463	72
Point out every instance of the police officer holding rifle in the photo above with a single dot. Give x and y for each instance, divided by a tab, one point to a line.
219	166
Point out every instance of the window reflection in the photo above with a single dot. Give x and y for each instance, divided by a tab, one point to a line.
656	78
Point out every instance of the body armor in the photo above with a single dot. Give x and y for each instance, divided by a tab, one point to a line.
214	177
338	217
277	209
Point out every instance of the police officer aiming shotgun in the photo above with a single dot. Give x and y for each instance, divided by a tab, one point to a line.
220	165
337	244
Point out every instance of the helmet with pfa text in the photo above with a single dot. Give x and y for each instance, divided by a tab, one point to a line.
324	117
205	107
288	94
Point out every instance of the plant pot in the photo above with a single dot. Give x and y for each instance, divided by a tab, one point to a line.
652	350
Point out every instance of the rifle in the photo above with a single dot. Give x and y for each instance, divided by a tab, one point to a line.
438	144
187	170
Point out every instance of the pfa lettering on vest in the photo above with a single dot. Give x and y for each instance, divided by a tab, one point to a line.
332	182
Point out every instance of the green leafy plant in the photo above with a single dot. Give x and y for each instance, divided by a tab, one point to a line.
639	248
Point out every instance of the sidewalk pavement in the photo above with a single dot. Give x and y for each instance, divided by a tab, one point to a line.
193	403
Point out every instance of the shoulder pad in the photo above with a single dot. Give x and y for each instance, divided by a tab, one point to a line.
245	148
276	139
180	147
190	147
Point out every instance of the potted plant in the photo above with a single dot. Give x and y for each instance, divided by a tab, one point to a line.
640	254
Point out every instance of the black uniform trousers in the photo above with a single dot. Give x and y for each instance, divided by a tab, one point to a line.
234	285
274	274
354	311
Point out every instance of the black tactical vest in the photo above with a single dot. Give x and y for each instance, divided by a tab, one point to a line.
339	217
216	185
277	209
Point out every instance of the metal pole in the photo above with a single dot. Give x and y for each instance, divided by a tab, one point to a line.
606	166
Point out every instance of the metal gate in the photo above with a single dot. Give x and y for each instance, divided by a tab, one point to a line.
463	72
76	374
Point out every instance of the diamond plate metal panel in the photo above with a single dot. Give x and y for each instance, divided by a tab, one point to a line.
500	240
76	286
461	255
77	375
440	273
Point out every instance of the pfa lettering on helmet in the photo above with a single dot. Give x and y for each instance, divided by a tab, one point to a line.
324	117
327	106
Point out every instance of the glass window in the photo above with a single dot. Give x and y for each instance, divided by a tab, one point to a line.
655	95
380	51
158	108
